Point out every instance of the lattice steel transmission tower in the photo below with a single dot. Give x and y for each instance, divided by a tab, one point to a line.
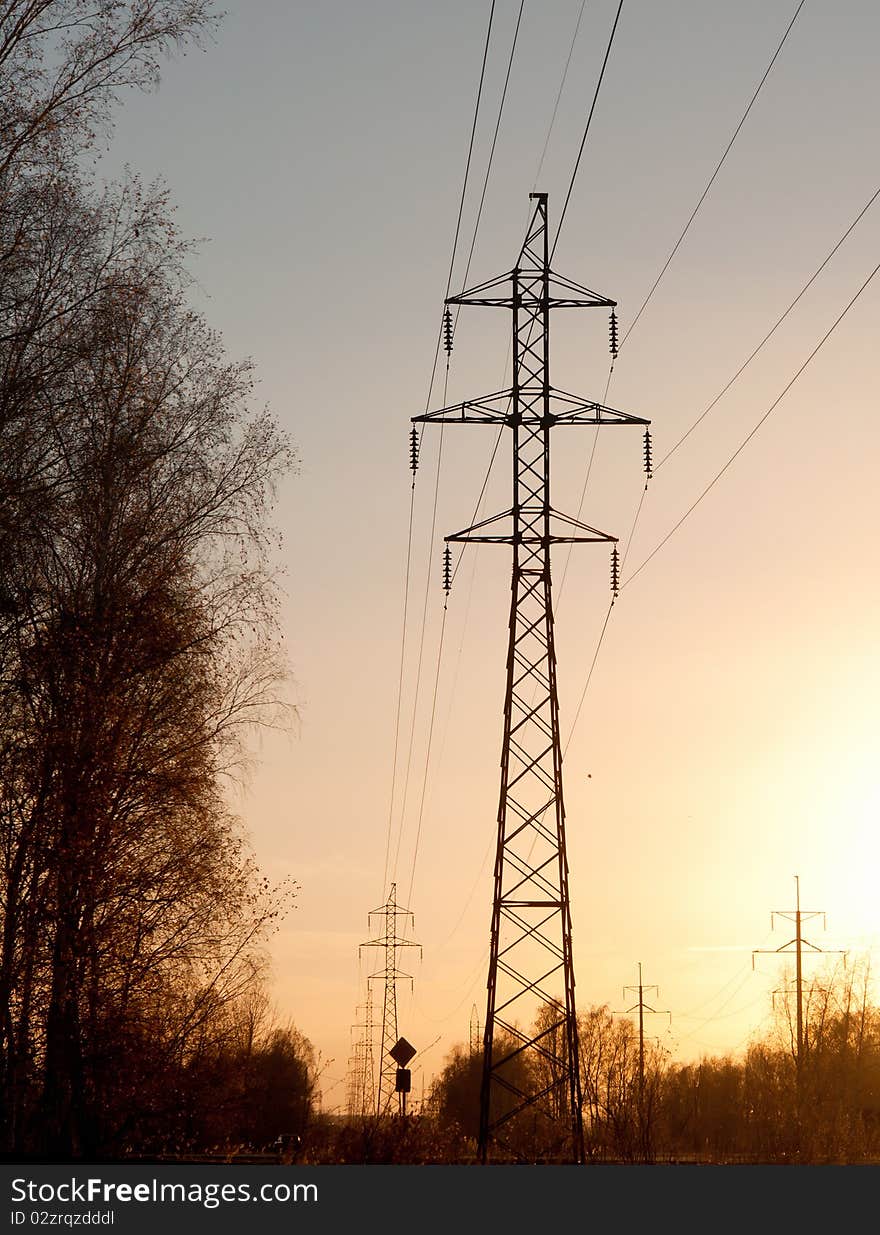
474	1031
530	963
390	942
362	1088
798	916
641	1007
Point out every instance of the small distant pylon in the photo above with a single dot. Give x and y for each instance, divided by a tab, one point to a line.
390	942
641	1007
798	916
353	1099
475	1041
365	1082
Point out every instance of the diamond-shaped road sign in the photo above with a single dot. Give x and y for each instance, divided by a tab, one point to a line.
402	1052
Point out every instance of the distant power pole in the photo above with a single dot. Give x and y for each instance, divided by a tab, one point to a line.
366	1078
531	969
474	1031
798	916
642	1008
390	942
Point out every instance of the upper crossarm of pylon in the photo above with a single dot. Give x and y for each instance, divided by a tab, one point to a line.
568	290
476	294
487	410
586	411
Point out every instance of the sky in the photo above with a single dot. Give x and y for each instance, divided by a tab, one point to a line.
728	737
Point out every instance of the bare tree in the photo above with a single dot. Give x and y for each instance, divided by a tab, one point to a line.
138	631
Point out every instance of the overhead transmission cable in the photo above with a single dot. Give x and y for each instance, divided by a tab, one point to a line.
577	161
424	625
491	156
431	541
559	95
574	173
470	148
753	431
655	284
500	433
427	406
864	210
751	356
663	270
702	417
540	165
409	543
712	178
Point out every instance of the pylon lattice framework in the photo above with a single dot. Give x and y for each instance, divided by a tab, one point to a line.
530	963
390	942
361	1094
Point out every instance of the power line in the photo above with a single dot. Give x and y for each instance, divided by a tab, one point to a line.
672	254
650	294
749	437
427	755
589	677
421	650
577	161
772	330
427	405
399	683
491	152
537	174
470	147
711	181
702	417
559	93
437	482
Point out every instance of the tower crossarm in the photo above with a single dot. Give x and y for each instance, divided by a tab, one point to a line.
531	289
500	408
557	529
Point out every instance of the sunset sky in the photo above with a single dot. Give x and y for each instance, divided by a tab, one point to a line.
729	736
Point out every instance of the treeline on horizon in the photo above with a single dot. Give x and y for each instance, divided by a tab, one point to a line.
757	1107
138	636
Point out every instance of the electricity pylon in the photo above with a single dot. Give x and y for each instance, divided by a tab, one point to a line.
390	942
798	916
530	961
364	1086
642	1008
474	1031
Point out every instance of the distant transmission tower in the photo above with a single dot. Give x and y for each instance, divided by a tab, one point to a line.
390	942
364	1087
530	960
641	1007
352	1095
474	1031
798	916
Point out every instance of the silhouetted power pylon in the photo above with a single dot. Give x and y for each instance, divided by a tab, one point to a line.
363	1089
531	970
390	942
641	1007
474	1031
798	916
